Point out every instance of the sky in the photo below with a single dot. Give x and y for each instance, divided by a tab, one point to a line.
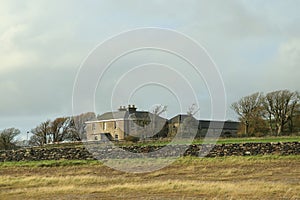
254	44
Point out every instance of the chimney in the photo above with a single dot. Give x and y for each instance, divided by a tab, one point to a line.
122	108
131	108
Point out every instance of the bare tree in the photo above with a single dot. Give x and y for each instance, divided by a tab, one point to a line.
158	124
295	109
40	134
149	125
280	106
190	125
249	109
192	110
59	129
77	126
159	109
295	124
8	138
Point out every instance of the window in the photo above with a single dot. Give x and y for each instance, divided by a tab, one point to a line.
93	126
115	124
96	138
116	137
104	125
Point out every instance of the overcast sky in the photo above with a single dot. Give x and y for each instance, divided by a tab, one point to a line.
255	44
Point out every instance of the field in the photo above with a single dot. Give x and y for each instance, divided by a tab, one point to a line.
196	141
260	177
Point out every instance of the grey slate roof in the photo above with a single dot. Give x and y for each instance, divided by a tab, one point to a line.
126	115
214	124
113	115
229	125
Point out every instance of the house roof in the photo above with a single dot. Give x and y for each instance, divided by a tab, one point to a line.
112	115
142	115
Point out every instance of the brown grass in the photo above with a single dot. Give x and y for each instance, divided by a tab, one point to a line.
271	177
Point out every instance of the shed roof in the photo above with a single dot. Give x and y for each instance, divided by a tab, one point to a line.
229	125
215	124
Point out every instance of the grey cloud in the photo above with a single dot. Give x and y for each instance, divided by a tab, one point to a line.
44	42
36	91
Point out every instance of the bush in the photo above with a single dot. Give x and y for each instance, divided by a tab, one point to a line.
259	134
131	138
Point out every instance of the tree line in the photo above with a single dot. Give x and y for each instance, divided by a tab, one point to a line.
60	129
275	113
50	131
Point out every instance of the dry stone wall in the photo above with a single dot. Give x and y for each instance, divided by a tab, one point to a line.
208	150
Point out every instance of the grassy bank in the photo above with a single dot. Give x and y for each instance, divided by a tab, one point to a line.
196	141
259	177
257	139
220	141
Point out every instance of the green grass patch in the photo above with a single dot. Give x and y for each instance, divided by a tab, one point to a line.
48	163
181	160
219	141
196	141
258	140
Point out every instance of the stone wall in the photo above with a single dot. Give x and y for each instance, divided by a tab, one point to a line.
208	150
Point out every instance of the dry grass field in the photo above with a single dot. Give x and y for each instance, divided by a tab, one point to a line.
261	177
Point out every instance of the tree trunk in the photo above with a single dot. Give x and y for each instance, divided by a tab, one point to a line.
291	125
270	124
45	139
247	129
279	129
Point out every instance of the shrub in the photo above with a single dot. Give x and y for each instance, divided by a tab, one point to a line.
131	138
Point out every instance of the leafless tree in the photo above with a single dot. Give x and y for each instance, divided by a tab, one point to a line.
249	109
192	110
295	123
8	138
59	129
159	125
159	109
280	106
77	125
40	134
190	125
148	125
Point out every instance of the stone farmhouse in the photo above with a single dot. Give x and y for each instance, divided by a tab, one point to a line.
124	122
127	121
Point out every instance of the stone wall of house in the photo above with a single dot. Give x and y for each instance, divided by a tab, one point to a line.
103	152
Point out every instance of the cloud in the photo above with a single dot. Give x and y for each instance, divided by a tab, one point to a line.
11	55
289	54
283	71
255	44
36	92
